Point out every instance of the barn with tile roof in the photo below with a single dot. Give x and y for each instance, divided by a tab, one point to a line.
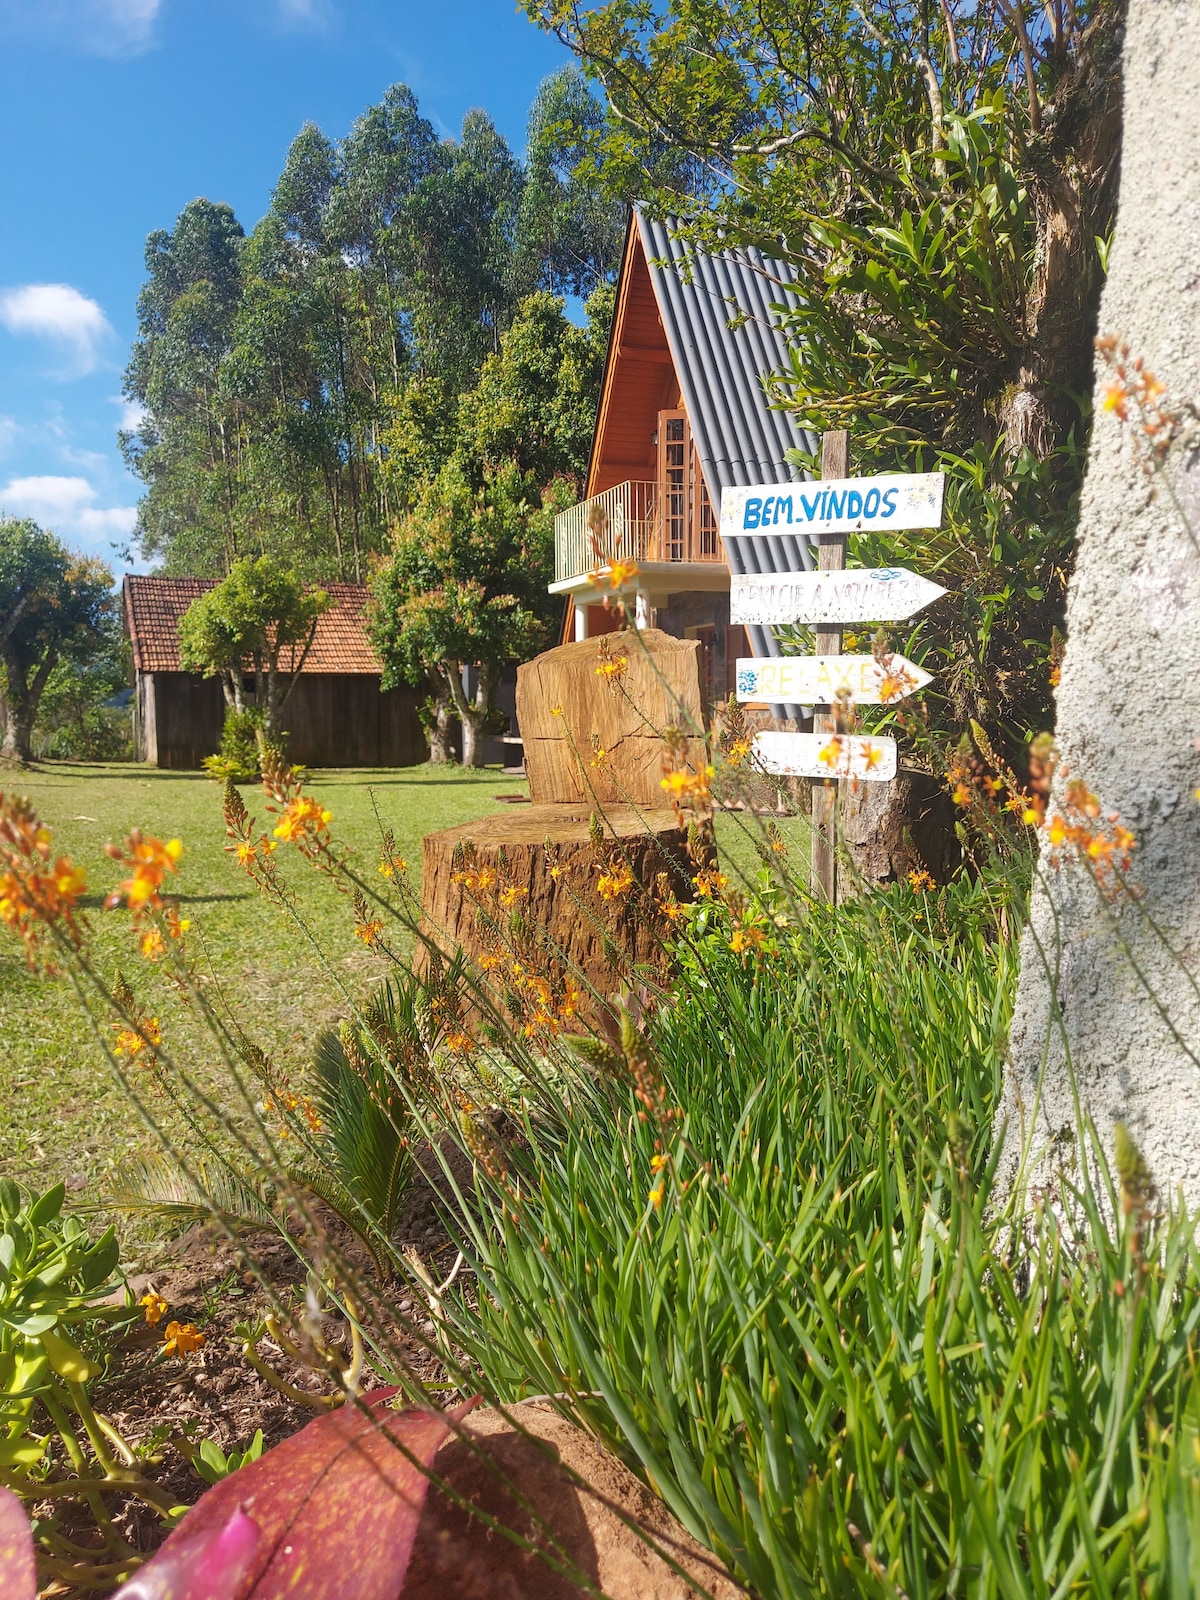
337	715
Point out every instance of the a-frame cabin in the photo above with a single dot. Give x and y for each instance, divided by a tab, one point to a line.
683	415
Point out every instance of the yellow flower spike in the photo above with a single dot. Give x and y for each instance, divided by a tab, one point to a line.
655	1195
657	1163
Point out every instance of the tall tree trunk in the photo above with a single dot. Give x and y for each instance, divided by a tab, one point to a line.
437	727
18	731
1108	1005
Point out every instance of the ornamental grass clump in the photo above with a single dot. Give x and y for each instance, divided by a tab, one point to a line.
775	1283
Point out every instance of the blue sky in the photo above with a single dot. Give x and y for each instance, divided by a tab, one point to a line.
116	113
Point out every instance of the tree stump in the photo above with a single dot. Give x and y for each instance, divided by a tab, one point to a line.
618	694
539	890
891	829
566	898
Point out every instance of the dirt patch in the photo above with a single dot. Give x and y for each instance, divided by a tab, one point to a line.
157	1401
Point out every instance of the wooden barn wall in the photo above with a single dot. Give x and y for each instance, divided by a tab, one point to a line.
337	720
333	719
188	711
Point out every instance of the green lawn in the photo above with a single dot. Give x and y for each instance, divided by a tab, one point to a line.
61	1113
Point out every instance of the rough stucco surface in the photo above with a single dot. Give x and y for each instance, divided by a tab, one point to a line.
1129	699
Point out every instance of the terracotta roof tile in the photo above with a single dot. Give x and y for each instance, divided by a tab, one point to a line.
154	606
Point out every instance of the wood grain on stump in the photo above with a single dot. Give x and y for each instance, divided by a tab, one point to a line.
654	685
543	865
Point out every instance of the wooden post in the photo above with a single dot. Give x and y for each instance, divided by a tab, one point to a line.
831	557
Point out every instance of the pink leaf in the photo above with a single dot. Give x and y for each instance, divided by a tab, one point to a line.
17	1567
335	1507
200	1566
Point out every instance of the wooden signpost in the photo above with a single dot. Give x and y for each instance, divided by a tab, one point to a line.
819	680
826	755
879	594
826	599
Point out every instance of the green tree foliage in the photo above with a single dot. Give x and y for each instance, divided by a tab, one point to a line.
83	714
463	593
569	227
300	384
55	607
260	620
941	178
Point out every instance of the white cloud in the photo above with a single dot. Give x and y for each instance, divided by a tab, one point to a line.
133	413
57	312
66	506
102	27
306	13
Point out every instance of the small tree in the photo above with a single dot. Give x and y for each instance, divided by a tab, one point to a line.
259	621
463	595
54	606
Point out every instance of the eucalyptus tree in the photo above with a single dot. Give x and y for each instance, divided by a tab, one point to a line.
188	448
569	227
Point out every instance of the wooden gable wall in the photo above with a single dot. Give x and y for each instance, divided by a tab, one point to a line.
639	380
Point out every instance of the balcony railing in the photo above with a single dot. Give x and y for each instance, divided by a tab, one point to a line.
634	522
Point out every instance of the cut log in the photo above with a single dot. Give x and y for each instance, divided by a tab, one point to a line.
887	830
618	695
531	888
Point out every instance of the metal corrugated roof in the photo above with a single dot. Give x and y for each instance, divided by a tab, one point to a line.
724	335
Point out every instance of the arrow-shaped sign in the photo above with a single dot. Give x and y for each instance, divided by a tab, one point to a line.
825	755
863	594
818	680
833	505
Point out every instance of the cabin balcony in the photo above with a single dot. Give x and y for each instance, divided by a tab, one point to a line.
668	533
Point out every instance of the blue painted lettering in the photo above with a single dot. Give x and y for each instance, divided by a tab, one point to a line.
871	503
810	508
782	500
753	513
889	501
835	505
854	504
768	504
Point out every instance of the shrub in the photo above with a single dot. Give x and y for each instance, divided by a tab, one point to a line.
238	758
57	1324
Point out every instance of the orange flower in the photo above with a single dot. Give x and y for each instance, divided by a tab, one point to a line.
155	1306
150	860
710	883
509	896
612	669
152	944
655	1195
459	1042
1116	399
143	1039
303	819
369	932
921	881
617	881
620	573
182	1339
